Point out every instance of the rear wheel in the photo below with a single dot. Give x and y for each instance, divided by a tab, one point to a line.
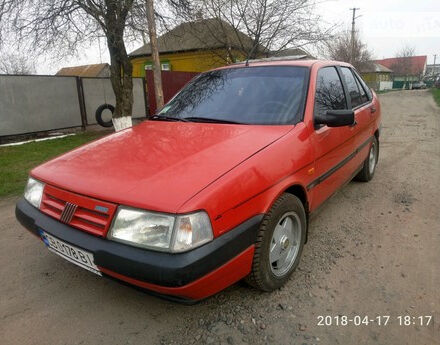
279	244
370	163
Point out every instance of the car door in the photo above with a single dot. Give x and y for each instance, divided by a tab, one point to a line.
364	112
333	146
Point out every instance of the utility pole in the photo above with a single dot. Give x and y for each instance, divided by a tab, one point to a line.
434	69
353	32
157	76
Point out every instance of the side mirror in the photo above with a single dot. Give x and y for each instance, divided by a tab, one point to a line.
336	118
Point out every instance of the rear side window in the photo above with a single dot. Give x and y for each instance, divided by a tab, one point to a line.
364	97
329	91
364	85
352	87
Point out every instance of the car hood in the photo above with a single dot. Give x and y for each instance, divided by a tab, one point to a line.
157	165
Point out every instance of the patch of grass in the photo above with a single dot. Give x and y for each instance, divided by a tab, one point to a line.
436	93
17	161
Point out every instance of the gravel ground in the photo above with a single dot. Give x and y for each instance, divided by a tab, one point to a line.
373	250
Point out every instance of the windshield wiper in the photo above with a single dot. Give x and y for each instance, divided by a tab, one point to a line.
210	120
167	118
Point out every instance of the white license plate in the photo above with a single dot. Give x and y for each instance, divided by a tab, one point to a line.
71	253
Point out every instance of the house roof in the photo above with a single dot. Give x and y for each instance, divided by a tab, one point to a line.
277	58
374	67
300	52
416	64
83	71
201	34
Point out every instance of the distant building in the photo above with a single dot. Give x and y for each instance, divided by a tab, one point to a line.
95	70
432	70
406	69
195	47
377	76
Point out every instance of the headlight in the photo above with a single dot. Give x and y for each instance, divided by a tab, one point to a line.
34	192
161	231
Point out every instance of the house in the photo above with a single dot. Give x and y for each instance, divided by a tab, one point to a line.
433	69
95	70
195	47
405	69
377	76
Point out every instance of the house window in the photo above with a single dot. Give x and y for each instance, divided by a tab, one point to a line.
164	66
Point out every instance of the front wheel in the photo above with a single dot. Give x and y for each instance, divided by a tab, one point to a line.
370	163
279	244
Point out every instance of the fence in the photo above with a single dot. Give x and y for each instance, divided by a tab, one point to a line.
98	91
380	85
400	84
36	103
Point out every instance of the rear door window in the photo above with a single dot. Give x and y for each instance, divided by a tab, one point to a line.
352	87
329	91
364	97
364	85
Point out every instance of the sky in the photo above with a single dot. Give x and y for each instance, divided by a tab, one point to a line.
388	25
384	25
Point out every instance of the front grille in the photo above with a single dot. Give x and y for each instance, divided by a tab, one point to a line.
82	212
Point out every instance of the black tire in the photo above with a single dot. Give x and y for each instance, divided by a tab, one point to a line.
98	115
366	174
261	276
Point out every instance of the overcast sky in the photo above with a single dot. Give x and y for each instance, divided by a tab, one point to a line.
384	25
387	25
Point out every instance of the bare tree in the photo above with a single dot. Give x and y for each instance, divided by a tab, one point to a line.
164	14
402	67
14	63
5	8
62	26
342	48
271	25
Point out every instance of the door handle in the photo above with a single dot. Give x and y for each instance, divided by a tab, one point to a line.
372	109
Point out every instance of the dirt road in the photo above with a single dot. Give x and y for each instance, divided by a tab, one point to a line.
373	250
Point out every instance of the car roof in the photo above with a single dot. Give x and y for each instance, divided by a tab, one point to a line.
285	61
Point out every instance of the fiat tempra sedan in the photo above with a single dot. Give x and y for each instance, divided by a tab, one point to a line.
218	186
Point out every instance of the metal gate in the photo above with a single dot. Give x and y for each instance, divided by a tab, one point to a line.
172	82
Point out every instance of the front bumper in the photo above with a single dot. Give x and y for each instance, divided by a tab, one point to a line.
192	275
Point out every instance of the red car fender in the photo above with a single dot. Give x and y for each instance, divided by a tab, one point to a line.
253	186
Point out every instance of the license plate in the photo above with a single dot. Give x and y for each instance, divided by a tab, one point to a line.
71	253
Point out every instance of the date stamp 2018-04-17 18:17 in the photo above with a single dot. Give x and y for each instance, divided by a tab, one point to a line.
378	320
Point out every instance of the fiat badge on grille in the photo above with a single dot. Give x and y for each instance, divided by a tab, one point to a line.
68	212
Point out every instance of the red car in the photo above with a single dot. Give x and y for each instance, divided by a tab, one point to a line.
218	186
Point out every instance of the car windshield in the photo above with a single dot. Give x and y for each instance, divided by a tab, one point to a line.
269	95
